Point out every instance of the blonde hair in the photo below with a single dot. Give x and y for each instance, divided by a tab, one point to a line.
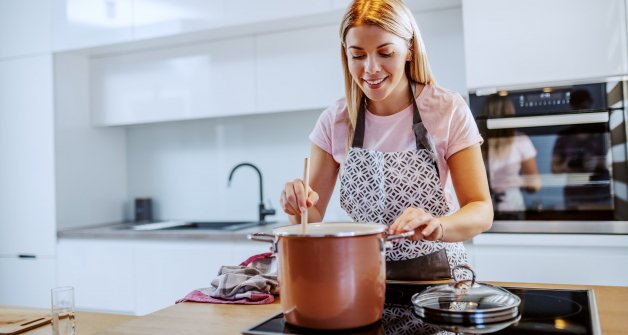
500	143
395	17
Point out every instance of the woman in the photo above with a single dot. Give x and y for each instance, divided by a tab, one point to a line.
398	141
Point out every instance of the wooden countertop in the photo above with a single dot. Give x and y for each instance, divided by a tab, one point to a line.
87	323
197	318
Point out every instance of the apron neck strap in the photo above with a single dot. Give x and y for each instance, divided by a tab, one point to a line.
358	135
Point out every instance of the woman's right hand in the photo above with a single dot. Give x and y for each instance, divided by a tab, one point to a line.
293	199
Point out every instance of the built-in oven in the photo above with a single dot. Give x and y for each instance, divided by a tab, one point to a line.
557	154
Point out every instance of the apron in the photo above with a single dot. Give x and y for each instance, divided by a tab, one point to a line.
378	186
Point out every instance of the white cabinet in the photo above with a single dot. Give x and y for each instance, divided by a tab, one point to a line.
89	23
24	27
27	172
26	282
155	18
552	258
194	81
300	69
140	277
167	271
251	11
509	43
102	273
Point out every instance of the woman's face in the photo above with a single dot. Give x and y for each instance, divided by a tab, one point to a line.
376	60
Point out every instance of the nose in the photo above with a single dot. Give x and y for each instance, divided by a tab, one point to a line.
372	65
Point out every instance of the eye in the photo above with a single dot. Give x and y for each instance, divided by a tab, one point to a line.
357	56
386	54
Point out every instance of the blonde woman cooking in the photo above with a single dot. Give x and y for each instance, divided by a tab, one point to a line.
400	144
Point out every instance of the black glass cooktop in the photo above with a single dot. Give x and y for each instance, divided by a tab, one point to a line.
543	311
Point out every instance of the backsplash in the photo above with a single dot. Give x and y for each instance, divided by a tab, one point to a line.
184	165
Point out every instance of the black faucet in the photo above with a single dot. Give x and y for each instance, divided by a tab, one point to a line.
263	211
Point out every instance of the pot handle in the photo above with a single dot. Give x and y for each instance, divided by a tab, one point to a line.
264	237
399	236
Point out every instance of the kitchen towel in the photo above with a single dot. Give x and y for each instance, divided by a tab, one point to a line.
254	281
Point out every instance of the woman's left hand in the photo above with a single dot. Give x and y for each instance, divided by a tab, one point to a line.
426	226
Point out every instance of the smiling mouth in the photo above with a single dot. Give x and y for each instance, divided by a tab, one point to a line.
375	82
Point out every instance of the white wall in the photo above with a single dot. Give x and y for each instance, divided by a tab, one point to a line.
90	162
184	166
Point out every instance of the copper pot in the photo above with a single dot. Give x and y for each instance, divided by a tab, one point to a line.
332	277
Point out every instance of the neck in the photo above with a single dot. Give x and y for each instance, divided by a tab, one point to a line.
395	102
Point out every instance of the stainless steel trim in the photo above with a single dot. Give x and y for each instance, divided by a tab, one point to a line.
547	120
595	318
559	227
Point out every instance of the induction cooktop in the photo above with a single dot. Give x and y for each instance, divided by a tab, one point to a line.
542	311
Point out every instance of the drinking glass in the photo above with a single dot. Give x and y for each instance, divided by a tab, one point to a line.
62	310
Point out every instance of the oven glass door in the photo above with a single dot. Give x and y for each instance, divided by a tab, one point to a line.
556	167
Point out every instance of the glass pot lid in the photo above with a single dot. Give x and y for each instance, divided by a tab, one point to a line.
466	302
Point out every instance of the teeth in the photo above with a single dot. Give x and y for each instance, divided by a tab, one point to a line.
375	82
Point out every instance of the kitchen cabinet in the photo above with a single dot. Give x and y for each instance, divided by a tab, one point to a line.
193	81
24	27
552	258
27	172
26	281
80	24
251	11
156	18
295	73
139	276
513	43
102	273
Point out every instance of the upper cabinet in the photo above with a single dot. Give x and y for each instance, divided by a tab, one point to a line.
24	27
155	18
188	82
88	23
300	69
510	43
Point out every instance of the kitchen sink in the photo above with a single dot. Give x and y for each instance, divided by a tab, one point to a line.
196	225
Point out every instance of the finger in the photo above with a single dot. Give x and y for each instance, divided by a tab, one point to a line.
287	207
299	191
432	230
312	199
291	198
415	220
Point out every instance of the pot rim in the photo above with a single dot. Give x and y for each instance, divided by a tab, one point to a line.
295	230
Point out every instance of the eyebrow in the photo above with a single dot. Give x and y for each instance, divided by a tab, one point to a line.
381	46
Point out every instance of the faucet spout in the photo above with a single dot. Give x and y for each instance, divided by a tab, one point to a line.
263	211
259	174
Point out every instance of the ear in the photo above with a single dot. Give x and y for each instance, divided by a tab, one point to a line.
409	56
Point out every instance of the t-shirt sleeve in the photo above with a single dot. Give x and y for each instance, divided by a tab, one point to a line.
525	147
321	134
463	131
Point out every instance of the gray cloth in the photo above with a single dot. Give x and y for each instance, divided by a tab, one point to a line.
237	282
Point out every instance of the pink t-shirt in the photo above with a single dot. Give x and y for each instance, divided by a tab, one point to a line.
444	113
505	168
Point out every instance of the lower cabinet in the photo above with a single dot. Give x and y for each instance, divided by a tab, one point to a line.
26	282
140	277
551	258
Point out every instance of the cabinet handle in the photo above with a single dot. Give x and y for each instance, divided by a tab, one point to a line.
26	256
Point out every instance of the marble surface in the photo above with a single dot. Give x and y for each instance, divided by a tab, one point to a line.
122	230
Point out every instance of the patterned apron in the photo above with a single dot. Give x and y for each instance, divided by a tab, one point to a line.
378	186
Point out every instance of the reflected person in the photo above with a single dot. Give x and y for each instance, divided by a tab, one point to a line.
511	160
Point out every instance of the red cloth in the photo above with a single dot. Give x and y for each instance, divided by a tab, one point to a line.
255	299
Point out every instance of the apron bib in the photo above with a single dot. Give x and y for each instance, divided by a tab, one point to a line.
378	186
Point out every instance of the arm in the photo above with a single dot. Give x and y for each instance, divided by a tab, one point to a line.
532	181
476	213
323	175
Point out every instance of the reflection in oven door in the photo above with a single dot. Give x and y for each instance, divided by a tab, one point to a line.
553	165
